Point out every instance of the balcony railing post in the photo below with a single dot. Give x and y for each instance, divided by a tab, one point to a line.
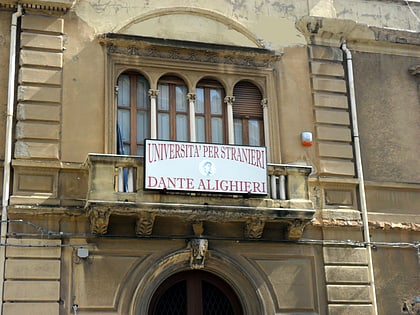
297	182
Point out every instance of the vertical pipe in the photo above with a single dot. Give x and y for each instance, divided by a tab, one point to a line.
358	157
8	147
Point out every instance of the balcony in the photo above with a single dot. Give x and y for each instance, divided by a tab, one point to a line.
116	189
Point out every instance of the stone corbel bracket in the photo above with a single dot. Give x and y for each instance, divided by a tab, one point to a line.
99	220
144	224
295	229
254	229
415	70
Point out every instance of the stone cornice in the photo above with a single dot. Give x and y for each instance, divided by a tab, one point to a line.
333	32
130	45
44	5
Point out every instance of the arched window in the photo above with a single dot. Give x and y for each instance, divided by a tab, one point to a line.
172	110
195	293
210	112
248	114
133	113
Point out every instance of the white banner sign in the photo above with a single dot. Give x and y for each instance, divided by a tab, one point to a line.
202	167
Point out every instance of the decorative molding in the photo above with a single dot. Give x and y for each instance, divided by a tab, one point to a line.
139	46
198	252
44	5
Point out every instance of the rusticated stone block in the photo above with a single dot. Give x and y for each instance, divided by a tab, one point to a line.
345	255
330	85
38	112
33	269
334	133
331	100
32	291
41	41
31	308
37	130
337	150
347	274
336	117
43	23
329	69
41	58
41	150
350	309
349	293
40	76
337	167
326	53
37	251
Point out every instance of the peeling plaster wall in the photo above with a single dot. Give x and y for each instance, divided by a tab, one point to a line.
271	21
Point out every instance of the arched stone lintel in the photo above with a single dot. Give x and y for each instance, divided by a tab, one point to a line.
205	13
148	275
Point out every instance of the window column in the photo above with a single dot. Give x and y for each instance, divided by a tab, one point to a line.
191	100
153	96
229	102
264	104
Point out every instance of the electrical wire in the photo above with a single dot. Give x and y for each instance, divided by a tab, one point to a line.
322	242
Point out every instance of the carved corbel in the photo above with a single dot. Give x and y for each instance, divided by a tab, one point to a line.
198	228
198	250
295	230
144	224
414	70
254	228
99	220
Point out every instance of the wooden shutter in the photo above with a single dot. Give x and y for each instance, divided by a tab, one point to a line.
247	100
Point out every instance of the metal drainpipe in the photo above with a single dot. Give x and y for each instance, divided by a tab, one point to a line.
8	147
358	158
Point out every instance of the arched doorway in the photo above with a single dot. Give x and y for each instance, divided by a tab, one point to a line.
195	293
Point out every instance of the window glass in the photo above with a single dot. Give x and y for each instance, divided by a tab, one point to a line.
132	113
163	126
163	97
254	132
173	116
216	130
210	112
237	129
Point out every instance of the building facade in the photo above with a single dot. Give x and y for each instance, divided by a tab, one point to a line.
285	140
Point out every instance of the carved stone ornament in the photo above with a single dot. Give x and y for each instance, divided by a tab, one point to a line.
198	248
414	70
99	220
254	228
229	99
144	224
295	230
